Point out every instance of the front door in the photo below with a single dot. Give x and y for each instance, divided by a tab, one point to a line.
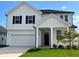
46	39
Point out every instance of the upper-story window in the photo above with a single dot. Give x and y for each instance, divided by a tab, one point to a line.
61	16
30	19
66	17
17	19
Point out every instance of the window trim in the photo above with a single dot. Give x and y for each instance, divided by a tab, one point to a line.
57	34
66	17
32	19
61	17
15	20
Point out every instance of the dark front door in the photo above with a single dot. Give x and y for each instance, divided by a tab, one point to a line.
46	39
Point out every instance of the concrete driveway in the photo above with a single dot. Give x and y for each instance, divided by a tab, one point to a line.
13	51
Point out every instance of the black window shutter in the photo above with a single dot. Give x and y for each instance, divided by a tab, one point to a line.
33	19
26	19
20	19
13	19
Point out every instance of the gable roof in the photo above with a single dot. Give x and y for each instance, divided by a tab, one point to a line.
45	18
23	3
49	11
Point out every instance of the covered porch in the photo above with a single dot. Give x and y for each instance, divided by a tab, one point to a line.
47	36
48	29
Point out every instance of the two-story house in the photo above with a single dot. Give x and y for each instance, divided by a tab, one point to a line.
27	26
3	35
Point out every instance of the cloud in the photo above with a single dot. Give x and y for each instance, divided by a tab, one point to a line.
46	8
63	7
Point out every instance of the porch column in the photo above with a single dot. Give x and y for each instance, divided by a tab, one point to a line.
51	37
68	29
37	37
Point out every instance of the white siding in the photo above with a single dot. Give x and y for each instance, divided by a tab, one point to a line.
52	22
70	17
22	11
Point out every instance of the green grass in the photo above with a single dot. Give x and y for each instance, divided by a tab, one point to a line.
46	52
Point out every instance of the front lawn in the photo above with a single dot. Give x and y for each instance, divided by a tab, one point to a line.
46	52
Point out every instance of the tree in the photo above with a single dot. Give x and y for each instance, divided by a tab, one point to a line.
63	36
69	36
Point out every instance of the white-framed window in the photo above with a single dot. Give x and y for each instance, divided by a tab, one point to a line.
17	19
61	16
30	19
66	17
58	33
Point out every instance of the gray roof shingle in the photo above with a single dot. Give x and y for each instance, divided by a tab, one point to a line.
49	11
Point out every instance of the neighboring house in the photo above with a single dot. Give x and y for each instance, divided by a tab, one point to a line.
27	26
3	35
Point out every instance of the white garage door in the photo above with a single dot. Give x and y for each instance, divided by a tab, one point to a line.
23	40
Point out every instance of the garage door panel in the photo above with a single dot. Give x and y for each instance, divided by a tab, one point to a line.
23	40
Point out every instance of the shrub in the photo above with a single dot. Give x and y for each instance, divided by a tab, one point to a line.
61	47
68	47
55	46
3	46
74	47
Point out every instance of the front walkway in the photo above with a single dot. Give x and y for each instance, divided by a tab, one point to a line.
13	51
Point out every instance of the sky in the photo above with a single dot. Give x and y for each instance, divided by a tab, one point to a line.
6	6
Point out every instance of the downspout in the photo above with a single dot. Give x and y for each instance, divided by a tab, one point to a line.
6	27
35	35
